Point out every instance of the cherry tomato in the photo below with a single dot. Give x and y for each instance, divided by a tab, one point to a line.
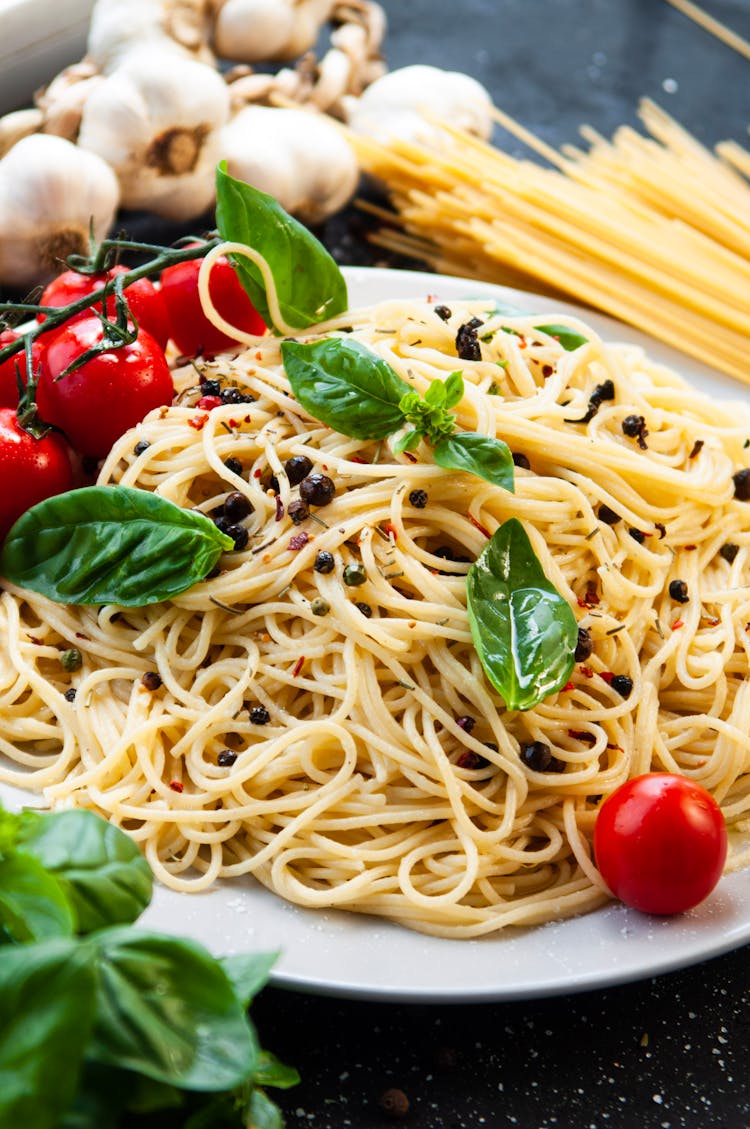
660	842
8	377
97	403
144	300
190	329
30	469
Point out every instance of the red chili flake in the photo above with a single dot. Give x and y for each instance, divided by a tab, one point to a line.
34	640
257	473
590	598
610	745
569	686
582	735
298	666
607	675
299	540
522	342
547	370
410	457
176	785
689	548
390	529
357	459
259	356
586	671
279	508
479	526
234	423
678	623
711	620
209	402
198	422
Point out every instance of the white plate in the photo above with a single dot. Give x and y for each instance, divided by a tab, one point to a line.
344	954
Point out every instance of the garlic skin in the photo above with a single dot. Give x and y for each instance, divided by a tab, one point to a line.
156	121
393	106
299	157
120	26
52	196
254	31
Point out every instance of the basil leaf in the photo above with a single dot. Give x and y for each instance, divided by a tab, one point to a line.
568	338
309	285
166	1009
264	1113
103	871
47	995
33	904
436	394
271	1072
247	973
110	545
524	631
454	389
345	386
482	455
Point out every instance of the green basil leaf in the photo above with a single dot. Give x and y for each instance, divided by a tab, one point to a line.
9	824
167	1009
264	1113
110	545
454	389
47	997
33	904
309	285
408	441
107	879
248	973
524	631
482	455
345	386
102	1096
568	338
435	395
271	1072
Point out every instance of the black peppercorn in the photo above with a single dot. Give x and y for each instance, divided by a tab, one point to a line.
233	464
354	575
297	468
210	387
234	396
273	484
151	680
239	535
317	489
678	590
70	695
418	499
466	723
319	606
536	755
584	646
729	551
364	608
607	515
443	312
622	684
324	561
298	511
520	460
259	715
742	484
467	342
237	506
637	535
631	426
226	758
141	446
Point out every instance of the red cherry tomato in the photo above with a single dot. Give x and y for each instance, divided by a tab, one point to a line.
660	843
8	378
144	300
30	469
97	403
190	329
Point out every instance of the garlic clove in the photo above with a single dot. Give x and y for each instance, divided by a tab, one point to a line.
53	195
299	157
394	105
118	27
252	30
16	125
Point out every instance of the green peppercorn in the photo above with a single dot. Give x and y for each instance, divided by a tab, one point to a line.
319	606
71	659
354	575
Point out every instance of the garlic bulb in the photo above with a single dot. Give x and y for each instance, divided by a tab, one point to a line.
62	101
257	31
155	120
119	26
297	156
394	105
18	124
53	195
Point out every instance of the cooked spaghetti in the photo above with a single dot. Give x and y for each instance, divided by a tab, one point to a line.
340	742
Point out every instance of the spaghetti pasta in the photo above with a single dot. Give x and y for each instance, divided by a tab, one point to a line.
340	741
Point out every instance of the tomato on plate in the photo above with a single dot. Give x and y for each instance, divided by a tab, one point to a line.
660	843
144	300
30	469
97	403
8	377
190	329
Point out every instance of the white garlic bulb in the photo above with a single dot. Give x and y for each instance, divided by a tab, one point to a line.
155	120
255	31
119	26
394	105
53	195
299	157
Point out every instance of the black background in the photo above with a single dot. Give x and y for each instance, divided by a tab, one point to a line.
668	1053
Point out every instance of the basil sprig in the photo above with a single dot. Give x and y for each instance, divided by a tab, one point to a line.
103	1023
110	545
349	388
309	285
524	632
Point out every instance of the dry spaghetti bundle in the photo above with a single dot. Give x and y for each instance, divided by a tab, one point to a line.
315	713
